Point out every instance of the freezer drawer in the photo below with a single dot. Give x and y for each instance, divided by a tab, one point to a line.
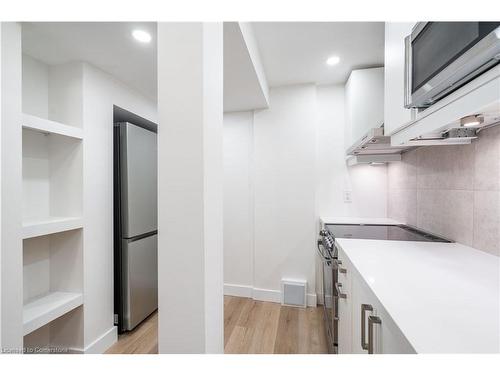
138	148
140	278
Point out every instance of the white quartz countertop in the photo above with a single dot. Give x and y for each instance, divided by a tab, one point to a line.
444	297
357	220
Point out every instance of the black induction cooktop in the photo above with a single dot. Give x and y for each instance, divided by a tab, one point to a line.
382	232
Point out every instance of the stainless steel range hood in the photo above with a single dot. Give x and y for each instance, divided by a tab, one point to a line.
374	147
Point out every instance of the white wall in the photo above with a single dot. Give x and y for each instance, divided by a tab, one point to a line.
367	183
35	87
285	177
297	146
100	92
238	201
190	178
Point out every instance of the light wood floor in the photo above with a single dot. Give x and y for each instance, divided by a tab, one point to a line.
249	327
264	327
142	340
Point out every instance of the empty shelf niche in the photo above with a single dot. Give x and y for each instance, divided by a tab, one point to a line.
52	183
53	288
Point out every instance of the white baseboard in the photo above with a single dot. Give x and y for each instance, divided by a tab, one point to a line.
101	344
266	295
238	290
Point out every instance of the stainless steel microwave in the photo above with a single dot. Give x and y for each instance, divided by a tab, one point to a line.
440	57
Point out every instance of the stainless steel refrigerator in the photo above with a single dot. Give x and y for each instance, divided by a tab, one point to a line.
135	224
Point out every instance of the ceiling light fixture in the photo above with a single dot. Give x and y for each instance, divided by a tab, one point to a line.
473	120
141	36
333	60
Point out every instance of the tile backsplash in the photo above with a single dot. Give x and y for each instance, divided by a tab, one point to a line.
453	191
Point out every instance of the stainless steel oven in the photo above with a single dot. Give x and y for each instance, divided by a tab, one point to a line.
440	57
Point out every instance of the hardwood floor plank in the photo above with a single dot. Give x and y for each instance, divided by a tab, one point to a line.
232	312
312	339
319	341
236	342
287	337
264	337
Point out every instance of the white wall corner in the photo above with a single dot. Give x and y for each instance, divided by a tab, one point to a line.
253	50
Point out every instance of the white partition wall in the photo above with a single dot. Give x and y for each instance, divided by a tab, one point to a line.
11	245
190	169
101	92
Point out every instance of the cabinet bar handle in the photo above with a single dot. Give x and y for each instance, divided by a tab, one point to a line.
364	309
371	321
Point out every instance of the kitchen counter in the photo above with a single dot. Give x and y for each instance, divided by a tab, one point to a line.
357	220
444	297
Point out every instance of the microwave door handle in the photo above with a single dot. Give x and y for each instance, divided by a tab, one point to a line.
407	73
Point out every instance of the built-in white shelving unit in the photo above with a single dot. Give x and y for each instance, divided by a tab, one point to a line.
50	225
52	228
45	309
51	127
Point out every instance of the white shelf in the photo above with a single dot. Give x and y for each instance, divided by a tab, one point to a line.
45	309
50	225
51	127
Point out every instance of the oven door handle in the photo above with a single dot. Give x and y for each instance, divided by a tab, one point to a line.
321	253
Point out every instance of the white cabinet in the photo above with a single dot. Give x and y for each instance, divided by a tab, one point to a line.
395	114
364	101
363	321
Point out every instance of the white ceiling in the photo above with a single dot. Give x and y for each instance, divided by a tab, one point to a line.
107	45
296	52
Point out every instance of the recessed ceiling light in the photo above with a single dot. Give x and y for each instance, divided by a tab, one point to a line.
333	60
141	36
